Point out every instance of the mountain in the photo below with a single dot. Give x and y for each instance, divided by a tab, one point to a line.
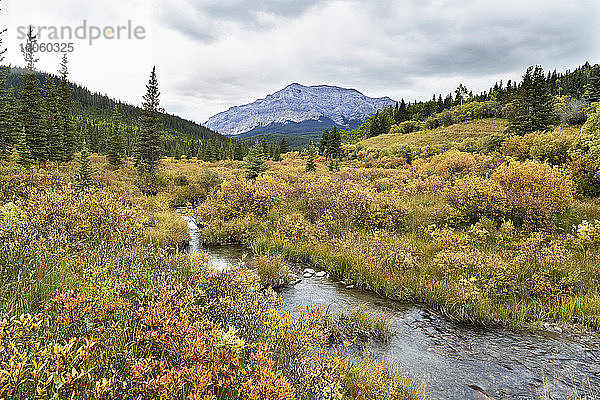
298	110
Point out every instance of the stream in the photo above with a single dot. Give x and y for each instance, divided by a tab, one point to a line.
450	360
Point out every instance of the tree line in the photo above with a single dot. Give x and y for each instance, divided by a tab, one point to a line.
45	117
538	102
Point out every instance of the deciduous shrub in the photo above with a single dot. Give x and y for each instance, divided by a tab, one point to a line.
406	127
550	147
528	193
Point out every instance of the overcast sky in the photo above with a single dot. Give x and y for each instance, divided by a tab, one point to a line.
214	54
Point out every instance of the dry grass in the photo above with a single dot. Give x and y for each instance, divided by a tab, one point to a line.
453	134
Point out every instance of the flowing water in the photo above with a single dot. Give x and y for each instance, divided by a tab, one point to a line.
450	360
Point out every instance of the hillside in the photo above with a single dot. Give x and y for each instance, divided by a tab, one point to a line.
444	135
93	113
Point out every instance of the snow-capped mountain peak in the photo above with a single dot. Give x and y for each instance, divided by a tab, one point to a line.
298	103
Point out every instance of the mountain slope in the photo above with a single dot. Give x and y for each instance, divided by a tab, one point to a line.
104	105
286	111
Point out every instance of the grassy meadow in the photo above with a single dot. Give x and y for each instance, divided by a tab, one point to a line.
487	238
99	301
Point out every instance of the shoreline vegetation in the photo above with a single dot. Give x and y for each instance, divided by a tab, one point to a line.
100	302
483	207
483	238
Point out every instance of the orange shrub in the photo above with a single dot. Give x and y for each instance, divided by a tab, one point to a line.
527	193
535	193
455	162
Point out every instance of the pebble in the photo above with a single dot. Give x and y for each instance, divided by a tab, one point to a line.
309	271
297	281
307	275
320	274
350	287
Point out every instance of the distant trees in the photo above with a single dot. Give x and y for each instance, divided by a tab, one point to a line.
400	112
532	108
30	105
380	124
64	120
148	143
592	89
255	162
330	143
114	141
311	154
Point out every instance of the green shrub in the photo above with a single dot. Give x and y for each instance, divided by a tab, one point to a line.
406	127
550	147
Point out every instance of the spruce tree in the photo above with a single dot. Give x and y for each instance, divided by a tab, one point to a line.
311	154
265	148
592	89
324	143
277	153
8	123
6	113
114	142
283	146
255	162
55	143
23	152
238	151
85	168
148	145
66	123
532	108
30	110
334	143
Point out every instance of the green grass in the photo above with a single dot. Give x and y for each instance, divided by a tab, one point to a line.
273	271
443	294
360	322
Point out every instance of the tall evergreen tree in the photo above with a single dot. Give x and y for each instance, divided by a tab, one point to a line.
9	131
311	154
55	143
149	146
86	173
30	110
592	89
334	143
403	114
238	151
277	152
6	114
23	152
283	146
324	143
255	161
532	108
114	142
265	147
65	120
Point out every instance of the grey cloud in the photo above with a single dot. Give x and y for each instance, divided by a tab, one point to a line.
205	20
